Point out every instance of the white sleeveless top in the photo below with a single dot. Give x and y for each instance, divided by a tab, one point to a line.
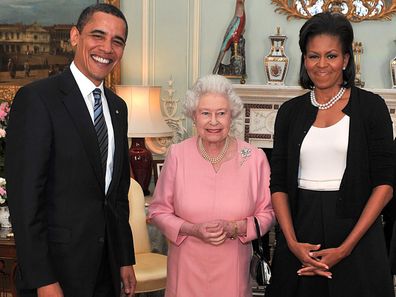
323	157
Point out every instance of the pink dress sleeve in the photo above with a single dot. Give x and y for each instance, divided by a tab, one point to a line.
263	211
161	210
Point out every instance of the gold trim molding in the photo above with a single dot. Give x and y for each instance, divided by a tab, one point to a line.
367	9
8	92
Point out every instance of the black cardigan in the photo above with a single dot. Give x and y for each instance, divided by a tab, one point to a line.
369	153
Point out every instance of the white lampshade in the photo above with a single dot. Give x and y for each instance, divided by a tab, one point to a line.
144	111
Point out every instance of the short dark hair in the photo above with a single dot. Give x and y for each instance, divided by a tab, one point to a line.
334	24
87	13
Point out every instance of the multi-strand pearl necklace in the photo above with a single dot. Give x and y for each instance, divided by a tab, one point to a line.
329	103
216	159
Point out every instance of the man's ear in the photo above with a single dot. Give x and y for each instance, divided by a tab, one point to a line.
74	36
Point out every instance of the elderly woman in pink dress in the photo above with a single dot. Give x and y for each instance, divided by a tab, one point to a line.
210	189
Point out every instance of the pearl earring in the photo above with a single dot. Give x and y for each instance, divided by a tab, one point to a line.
343	68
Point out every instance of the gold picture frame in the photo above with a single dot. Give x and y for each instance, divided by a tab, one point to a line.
157	167
355	11
8	91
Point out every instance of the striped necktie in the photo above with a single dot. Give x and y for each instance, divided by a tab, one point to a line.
100	127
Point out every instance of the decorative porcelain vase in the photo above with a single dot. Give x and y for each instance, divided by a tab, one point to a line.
5	217
276	63
141	161
393	72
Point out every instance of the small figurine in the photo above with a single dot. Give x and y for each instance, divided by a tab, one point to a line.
234	36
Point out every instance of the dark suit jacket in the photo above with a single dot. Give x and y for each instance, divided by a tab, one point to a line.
60	214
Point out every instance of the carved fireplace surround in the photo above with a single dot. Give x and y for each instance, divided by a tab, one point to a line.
256	123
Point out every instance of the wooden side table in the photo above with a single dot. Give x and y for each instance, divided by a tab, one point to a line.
8	252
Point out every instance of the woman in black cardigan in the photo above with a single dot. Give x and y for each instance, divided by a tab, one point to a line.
331	175
390	215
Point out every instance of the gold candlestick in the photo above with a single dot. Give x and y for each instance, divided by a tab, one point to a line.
358	51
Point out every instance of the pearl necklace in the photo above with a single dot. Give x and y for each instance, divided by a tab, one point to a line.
329	103
216	159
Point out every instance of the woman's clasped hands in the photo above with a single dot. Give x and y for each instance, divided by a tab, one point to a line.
315	261
213	232
210	232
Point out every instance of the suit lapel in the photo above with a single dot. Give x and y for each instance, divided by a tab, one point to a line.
75	104
117	128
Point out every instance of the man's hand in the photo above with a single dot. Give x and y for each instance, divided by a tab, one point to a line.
128	280
52	290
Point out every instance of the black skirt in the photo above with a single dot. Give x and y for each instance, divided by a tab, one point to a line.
364	273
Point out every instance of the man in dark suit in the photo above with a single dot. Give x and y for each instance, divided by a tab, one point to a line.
67	171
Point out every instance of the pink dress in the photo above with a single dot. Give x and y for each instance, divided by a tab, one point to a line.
190	190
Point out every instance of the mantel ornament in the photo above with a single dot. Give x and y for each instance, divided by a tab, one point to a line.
235	42
354	10
276	62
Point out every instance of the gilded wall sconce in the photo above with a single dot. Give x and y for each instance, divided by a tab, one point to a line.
357	52
393	70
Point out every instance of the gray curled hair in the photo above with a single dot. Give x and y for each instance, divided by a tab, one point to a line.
215	84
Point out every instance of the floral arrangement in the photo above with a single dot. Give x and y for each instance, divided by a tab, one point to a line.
4	114
3	192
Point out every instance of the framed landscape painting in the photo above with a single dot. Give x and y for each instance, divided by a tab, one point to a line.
34	40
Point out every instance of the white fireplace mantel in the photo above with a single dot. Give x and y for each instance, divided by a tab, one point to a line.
256	123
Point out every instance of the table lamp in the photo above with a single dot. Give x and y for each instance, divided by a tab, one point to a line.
144	120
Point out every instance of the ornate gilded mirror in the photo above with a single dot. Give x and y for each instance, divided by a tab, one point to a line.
354	10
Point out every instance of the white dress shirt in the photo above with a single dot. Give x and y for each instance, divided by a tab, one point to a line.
86	88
